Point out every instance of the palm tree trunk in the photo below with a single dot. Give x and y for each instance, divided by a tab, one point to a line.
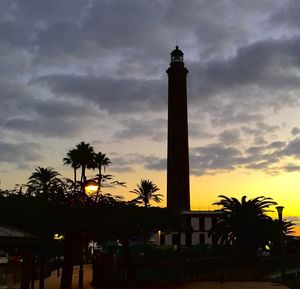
75	176
67	268
127	258
42	270
83	179
26	269
99	183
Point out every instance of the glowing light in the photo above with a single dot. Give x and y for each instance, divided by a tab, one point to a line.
58	237
159	236
91	187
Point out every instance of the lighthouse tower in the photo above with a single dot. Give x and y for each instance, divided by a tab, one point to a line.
178	184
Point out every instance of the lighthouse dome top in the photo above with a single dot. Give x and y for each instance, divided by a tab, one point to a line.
177	55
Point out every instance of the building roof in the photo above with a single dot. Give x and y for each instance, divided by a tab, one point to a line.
9	232
215	212
176	52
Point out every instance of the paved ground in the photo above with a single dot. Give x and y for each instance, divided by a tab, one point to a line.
228	285
53	283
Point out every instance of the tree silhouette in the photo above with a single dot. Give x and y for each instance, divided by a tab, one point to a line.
280	234
145	192
84	154
244	223
100	161
81	156
72	159
43	182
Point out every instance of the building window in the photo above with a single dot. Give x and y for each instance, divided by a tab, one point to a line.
214	221
188	239
202	239
175	239
214	239
195	238
208	224
201	224
162	240
195	223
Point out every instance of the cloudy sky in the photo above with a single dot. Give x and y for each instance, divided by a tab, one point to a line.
94	71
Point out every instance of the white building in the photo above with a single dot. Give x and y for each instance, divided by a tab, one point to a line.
196	231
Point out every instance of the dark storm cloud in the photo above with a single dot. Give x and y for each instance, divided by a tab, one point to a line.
94	27
64	64
218	157
129	22
199	130
260	140
236	118
64	33
265	63
230	137
22	22
125	163
292	149
218	26
61	109
113	95
276	145
43	127
214	157
260	130
261	74
155	163
259	63
295	131
155	130
19	154
288	15
21	111
291	168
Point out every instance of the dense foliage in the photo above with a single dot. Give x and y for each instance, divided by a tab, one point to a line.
146	192
246	225
48	204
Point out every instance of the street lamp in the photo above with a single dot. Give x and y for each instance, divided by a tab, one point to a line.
279	211
90	188
159	237
281	247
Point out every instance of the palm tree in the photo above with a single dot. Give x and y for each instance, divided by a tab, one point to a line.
243	223
145	192
280	234
84	153
100	161
72	160
43	181
81	156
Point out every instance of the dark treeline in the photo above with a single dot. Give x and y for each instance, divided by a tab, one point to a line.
49	204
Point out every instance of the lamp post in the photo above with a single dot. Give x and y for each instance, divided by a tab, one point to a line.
159	237
89	188
279	212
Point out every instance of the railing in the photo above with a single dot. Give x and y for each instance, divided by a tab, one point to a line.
152	272
205	208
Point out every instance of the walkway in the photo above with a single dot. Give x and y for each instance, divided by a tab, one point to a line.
53	283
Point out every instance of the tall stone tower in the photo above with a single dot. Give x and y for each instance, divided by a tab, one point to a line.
178	184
